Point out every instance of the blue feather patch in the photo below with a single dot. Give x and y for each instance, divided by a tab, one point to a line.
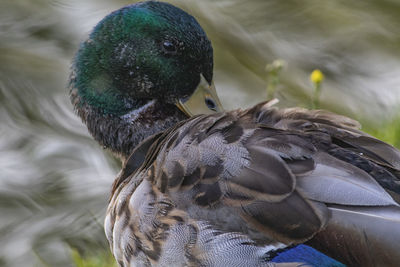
306	254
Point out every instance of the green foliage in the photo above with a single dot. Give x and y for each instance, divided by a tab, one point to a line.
100	259
273	71
388	132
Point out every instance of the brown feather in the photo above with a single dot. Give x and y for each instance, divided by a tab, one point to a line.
272	175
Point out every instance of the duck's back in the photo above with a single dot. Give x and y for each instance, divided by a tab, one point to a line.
232	189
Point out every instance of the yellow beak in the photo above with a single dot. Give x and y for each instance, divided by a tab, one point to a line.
204	100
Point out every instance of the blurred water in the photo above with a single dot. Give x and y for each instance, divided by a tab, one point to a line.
55	180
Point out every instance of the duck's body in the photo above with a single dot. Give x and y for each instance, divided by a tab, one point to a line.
228	189
232	188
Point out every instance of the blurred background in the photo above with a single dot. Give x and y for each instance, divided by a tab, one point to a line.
55	180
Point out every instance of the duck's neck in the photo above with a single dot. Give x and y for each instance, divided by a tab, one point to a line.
121	134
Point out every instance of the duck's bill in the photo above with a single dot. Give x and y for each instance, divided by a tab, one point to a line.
204	100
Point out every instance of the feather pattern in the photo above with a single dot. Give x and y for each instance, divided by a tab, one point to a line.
234	187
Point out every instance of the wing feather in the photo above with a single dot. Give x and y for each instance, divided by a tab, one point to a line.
336	182
289	175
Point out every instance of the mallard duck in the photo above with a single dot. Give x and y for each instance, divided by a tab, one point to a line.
205	187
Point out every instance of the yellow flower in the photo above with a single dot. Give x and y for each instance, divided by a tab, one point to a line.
316	76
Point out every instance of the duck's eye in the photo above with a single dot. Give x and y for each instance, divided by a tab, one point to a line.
210	103
169	48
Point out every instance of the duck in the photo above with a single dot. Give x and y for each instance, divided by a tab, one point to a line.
200	186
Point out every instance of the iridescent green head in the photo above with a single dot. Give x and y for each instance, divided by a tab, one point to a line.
149	50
